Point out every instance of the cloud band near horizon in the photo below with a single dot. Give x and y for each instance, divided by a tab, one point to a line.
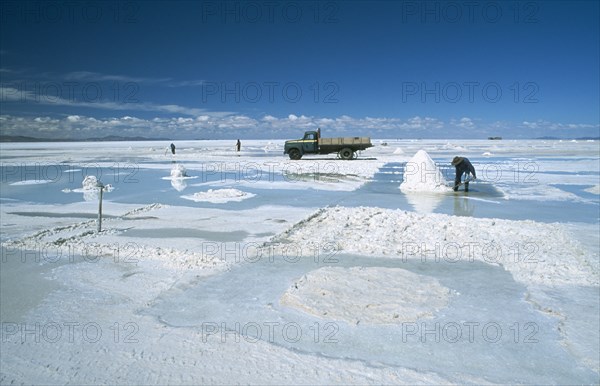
227	126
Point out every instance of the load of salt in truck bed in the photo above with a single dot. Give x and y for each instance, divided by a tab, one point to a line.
312	143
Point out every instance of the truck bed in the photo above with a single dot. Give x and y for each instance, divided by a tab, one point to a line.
332	145
340	141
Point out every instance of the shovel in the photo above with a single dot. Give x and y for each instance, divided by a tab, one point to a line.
467	179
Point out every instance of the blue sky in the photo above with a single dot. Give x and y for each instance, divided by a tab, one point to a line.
272	69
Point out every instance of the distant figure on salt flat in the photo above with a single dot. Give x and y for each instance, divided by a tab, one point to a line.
238	145
172	148
463	165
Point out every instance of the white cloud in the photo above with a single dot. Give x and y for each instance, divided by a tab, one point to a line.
464	123
268	126
206	125
94	77
541	124
11	94
425	123
89	76
187	83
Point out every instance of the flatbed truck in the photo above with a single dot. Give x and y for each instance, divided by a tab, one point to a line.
312	143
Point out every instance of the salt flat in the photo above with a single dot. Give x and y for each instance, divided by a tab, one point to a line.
216	266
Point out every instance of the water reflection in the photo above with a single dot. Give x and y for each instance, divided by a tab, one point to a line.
463	206
424	202
178	176
178	184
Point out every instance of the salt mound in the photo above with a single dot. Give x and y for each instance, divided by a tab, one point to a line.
219	196
398	151
374	295
89	188
89	183
178	171
422	175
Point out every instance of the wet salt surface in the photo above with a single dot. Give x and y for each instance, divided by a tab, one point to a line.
487	318
146	186
578	190
25	281
187	232
483	200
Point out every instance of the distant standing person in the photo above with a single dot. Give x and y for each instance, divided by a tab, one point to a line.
172	148
462	165
238	145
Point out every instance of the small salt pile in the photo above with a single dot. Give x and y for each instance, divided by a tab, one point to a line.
178	171
89	183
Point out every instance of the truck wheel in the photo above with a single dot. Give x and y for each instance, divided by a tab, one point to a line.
346	153
295	154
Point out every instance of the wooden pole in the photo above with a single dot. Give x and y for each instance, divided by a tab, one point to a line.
100	207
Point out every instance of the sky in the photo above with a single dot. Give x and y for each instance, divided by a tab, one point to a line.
273	69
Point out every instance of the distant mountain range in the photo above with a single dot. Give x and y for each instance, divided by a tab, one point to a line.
21	138
579	138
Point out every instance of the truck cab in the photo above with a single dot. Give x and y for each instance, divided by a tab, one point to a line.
309	144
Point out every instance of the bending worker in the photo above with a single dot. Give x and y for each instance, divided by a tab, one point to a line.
463	165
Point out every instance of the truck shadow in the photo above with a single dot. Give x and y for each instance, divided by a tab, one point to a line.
309	158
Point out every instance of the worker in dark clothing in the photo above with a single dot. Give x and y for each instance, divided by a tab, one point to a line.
463	165
173	148
238	145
